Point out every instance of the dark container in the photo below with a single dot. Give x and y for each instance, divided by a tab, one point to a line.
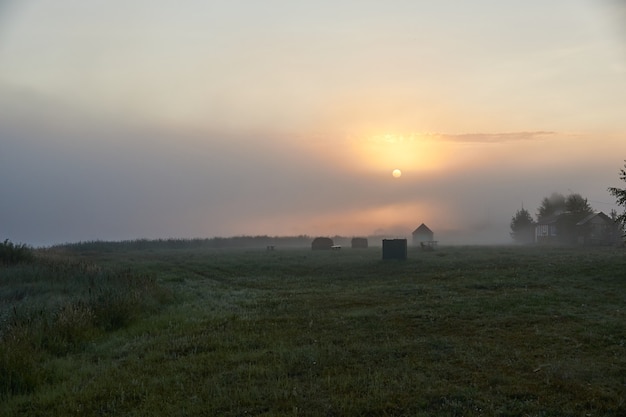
394	249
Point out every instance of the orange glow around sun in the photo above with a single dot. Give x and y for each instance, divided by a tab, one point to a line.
408	153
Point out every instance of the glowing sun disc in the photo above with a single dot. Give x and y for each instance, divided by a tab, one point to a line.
396	173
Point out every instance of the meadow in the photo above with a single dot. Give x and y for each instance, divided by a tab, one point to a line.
107	330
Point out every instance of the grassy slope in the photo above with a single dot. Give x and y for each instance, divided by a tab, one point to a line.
459	331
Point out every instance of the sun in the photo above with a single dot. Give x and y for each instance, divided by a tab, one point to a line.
387	152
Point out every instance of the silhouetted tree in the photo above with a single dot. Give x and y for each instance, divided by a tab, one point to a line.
522	226
555	204
620	196
575	203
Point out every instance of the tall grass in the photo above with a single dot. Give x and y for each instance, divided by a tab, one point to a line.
11	253
55	306
187	244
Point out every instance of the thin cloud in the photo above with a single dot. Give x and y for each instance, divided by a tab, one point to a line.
504	137
496	137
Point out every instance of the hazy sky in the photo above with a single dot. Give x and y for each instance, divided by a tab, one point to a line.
157	119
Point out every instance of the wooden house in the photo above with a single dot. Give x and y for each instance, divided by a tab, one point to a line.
546	229
563	228
597	229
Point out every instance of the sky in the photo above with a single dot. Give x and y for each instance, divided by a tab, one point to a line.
168	119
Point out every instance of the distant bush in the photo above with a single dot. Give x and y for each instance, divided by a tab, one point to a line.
11	254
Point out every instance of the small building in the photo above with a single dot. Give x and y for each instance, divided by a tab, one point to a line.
322	243
394	249
423	235
597	229
546	229
359	243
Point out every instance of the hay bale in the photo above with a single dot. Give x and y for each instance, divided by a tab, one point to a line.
322	243
359	243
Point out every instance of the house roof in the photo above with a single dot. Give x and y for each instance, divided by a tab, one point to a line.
549	219
555	217
592	215
422	229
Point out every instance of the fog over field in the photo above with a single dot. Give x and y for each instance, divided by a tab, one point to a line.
154	119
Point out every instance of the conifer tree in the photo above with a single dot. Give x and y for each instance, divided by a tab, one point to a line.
620	196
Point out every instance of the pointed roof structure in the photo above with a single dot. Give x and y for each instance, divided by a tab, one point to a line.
592	215
422	229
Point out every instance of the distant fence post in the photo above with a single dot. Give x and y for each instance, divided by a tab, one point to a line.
394	249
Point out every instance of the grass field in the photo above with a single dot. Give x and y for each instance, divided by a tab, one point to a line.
460	331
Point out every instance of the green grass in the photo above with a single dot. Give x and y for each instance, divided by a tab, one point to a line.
461	331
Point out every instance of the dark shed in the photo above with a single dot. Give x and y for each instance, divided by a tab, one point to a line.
394	249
